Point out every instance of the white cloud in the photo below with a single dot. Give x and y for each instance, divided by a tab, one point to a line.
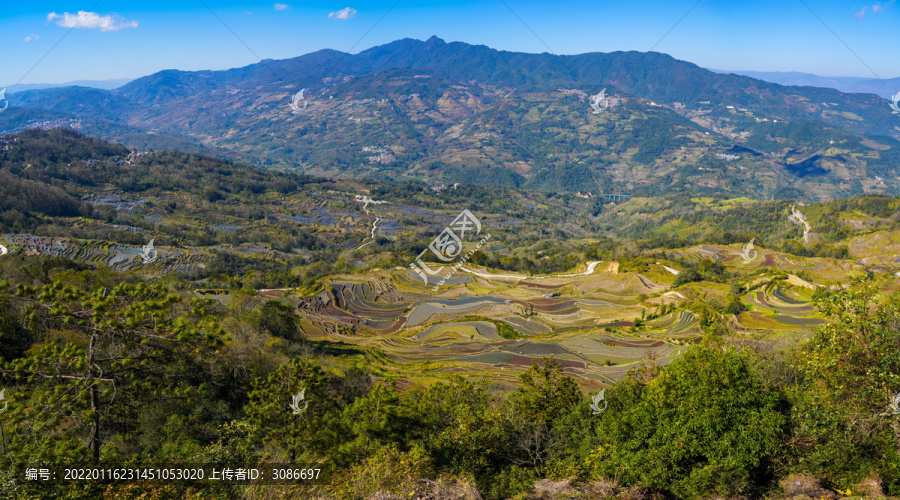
282	6
345	13
248	13
32	37
90	20
876	9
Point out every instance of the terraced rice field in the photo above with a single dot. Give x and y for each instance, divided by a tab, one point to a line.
100	253
495	324
586	324
483	330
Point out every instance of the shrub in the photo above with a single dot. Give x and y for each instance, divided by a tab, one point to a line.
706	426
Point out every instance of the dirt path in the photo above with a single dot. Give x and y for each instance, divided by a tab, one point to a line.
798	218
365	201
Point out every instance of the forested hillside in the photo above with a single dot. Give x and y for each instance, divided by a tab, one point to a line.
102	371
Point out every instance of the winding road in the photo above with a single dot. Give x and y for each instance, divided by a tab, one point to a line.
796	215
366	200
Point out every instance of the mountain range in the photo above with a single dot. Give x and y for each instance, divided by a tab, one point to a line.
97	84
453	112
882	87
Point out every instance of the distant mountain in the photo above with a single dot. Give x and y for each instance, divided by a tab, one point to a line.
454	112
15	120
851	84
97	84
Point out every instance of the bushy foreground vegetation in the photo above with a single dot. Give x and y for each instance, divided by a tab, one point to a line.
101	368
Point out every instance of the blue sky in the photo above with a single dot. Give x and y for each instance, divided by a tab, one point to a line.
128	39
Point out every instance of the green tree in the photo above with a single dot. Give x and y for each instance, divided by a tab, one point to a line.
295	432
14	337
462	427
105	355
706	425
850	370
545	396
380	418
278	319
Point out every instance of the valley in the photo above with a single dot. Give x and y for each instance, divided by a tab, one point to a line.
444	271
599	318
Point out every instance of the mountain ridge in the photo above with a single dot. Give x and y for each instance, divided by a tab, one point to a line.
455	112
884	88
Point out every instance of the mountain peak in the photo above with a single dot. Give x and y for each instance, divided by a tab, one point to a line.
434	40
